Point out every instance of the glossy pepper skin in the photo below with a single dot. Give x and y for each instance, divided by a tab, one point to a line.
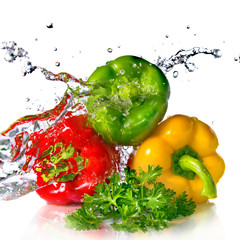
194	144
129	97
100	160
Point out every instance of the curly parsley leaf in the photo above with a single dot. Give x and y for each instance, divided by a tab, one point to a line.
138	203
150	176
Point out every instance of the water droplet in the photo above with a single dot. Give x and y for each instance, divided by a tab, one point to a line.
167	36
190	66
57	64
10	57
109	50
216	53
122	71
188	26
236	59
50	25
55	49
27	99
175	74
36	39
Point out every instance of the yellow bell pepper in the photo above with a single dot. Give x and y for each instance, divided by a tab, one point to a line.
185	148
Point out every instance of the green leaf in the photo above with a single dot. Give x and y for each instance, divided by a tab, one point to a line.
131	205
149	176
82	219
184	207
67	178
54	163
158	196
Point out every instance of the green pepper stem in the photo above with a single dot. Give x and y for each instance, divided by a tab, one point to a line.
188	163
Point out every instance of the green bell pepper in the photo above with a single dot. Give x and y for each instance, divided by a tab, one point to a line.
128	98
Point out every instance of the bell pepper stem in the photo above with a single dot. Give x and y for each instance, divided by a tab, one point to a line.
188	163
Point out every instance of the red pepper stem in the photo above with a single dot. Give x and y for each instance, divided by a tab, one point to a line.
188	163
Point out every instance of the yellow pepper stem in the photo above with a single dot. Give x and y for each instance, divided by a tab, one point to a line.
188	163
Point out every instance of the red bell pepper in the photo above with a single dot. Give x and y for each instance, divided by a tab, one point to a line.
72	135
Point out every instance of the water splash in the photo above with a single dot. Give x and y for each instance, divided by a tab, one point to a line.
14	181
183	57
15	141
13	53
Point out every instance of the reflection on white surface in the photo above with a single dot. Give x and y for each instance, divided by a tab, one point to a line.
48	224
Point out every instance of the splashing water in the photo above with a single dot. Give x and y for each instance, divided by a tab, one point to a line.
13	53
183	56
14	142
14	182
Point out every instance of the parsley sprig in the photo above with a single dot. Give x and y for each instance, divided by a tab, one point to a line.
138	203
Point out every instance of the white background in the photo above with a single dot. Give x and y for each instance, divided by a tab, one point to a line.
82	32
